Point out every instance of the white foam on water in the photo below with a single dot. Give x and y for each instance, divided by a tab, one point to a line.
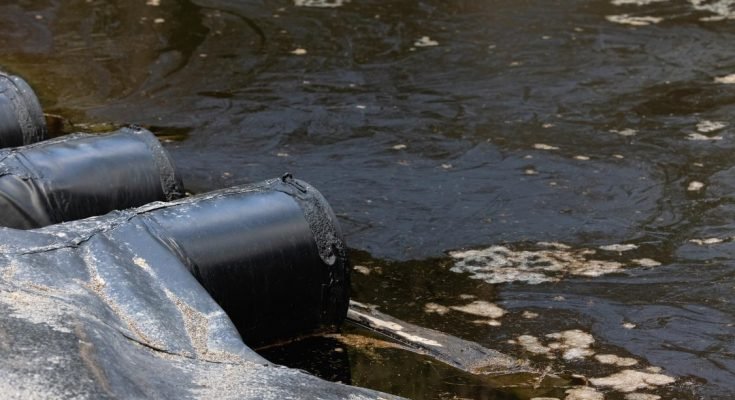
723	9
584	393
542	146
636	2
500	264
571	345
627	19
625	132
619	247
641	396
728	79
695	186
320	3
425	41
532	344
489	322
361	269
647	262
710	126
433	308
698	137
707	241
481	308
631	380
612	359
574	344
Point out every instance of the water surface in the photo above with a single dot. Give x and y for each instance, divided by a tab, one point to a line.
434	127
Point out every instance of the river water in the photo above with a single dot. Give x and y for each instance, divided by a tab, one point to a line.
569	163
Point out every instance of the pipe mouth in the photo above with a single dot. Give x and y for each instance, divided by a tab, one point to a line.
171	182
27	109
331	245
269	253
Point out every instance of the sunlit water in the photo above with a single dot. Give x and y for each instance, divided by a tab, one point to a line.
569	162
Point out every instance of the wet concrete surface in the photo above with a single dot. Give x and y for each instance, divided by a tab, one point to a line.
435	128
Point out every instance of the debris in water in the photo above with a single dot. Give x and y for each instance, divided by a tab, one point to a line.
529	315
299	51
399	147
630	380
154	3
581	158
541	146
530	171
629	325
159	21
627	19
425	41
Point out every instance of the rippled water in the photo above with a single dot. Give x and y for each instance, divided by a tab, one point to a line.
438	127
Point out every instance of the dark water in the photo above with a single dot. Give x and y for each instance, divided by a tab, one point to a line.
511	123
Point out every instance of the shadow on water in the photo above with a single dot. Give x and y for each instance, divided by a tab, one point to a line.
358	357
569	163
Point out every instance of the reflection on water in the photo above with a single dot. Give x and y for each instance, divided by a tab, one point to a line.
444	129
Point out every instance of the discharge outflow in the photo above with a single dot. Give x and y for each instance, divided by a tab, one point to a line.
79	176
21	117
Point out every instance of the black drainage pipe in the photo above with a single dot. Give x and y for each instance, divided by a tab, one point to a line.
271	255
78	176
21	117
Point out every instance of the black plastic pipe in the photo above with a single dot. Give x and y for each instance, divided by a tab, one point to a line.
79	176
21	117
271	255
